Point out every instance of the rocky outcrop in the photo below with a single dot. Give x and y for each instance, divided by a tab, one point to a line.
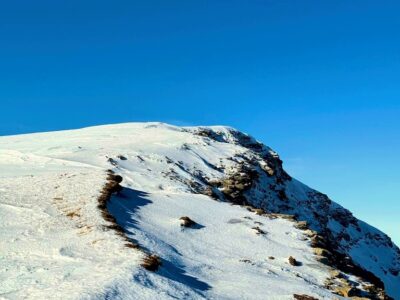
255	178
303	297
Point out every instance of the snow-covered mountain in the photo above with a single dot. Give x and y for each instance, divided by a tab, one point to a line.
201	213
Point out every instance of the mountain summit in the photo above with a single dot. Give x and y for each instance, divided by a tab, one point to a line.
154	211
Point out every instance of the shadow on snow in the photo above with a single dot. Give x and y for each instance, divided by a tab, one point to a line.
124	207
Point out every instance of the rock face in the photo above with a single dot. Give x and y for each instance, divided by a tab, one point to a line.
257	178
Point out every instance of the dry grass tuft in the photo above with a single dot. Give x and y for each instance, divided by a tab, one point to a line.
112	186
132	246
74	214
151	263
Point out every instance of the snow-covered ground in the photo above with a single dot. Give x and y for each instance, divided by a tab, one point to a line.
53	244
223	258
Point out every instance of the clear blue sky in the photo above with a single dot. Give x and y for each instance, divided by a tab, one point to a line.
319	81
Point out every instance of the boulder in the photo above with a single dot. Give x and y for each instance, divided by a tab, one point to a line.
293	261
187	222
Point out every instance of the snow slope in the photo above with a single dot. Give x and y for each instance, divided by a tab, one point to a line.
45	251
54	243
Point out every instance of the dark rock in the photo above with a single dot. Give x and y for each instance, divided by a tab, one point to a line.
304	297
282	195
187	222
302	225
258	230
116	178
112	161
293	261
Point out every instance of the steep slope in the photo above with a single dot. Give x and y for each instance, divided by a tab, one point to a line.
52	182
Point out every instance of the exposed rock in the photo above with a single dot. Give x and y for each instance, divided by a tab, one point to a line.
258	230
255	177
240	180
267	169
293	261
341	285
116	178
211	134
304	297
209	191
302	225
322	252
310	233
335	273
346	291
259	211
323	260
112	161
284	216
318	241
215	182
187	222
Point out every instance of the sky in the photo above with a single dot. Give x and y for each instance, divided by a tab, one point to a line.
318	81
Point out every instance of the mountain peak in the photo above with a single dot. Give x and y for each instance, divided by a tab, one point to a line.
256	231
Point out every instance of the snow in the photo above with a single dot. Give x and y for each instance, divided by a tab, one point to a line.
211	259
53	243
45	254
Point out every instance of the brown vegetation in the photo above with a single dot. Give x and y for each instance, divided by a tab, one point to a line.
151	263
132	245
112	186
74	214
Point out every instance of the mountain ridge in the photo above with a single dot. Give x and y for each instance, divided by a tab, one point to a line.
224	164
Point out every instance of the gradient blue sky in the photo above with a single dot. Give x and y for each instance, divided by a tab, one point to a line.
319	81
